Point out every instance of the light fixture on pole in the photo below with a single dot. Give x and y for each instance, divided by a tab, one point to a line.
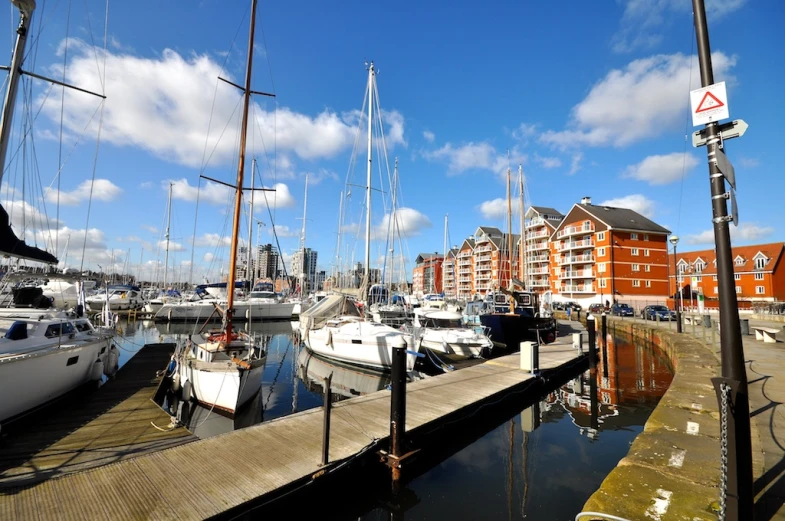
674	240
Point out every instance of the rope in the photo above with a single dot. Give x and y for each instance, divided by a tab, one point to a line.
686	131
724	399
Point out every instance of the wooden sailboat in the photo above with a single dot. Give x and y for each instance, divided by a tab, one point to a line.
225	371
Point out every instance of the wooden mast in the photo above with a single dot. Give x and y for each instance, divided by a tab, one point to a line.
238	198
522	248
509	237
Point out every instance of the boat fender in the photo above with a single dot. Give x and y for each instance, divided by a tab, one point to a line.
329	338
187	390
169	315
112	361
97	371
248	314
176	382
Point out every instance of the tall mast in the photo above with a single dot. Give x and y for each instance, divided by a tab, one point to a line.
509	225
444	256
249	269
371	75
26	8
238	198
338	245
522	248
393	217
302	240
168	226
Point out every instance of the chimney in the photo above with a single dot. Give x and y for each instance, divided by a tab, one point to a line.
586	200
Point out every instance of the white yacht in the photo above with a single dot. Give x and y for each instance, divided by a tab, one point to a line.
120	297
444	333
260	305
46	355
64	293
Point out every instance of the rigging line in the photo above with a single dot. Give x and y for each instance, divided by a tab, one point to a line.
92	185
193	239
62	116
272	225
218	141
73	147
95	52
686	127
26	130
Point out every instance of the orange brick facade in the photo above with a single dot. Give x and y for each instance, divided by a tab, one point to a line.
427	275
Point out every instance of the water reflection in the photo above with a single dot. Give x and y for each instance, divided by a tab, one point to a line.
346	381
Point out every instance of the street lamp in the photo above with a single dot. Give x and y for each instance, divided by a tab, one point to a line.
674	239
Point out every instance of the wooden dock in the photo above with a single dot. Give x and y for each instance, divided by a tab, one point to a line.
210	477
91	428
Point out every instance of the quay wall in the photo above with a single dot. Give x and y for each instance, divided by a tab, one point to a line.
672	470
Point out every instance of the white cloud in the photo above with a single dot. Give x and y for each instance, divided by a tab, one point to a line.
162	104
281	198
429	136
497	208
394	122
749	162
644	21
217	194
92	242
102	190
525	131
145	185
745	232
635	202
213	240
409	222
208	257
662	169
23	216
647	98
173	246
150	228
575	164
284	231
547	162
476	156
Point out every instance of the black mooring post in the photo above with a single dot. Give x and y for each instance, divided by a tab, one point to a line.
594	404
398	399
604	345
740	497
590	327
328	405
604	322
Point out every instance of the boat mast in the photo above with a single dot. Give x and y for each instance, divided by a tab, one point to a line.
338	276
26	8
168	226
394	222
302	241
249	274
238	198
522	250
371	76
444	256
509	236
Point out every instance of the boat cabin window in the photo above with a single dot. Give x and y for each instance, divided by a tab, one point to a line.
83	326
261	294
500	298
64	328
525	299
444	323
17	331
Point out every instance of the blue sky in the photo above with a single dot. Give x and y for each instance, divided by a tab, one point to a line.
590	96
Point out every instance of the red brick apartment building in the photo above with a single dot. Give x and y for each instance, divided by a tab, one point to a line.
758	270
427	275
601	253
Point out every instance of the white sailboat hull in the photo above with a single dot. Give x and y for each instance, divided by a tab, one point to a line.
365	344
243	311
34	378
223	384
455	345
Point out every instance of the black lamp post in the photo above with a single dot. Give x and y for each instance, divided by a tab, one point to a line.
674	239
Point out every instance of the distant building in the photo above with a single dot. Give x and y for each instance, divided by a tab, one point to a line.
541	222
321	277
304	267
450	274
427	275
758	270
267	261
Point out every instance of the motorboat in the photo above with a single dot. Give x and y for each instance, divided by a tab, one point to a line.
119	297
444	333
512	317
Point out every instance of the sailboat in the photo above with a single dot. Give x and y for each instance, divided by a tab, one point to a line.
335	328
513	315
43	354
225	370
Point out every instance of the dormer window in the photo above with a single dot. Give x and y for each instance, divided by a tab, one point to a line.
739	261
699	265
760	261
682	266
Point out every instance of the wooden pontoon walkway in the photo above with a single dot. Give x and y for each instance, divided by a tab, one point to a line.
92	428
212	476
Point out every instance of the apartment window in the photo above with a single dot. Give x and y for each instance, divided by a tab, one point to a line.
739	261
645	253
760	262
648	283
760	290
603	282
738	289
714	278
699	267
636	267
645	236
716	290
601	267
648	267
759	276
636	284
601	236
634	236
682	268
601	252
737	276
635	252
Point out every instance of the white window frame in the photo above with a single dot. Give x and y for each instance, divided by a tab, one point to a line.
714	278
646	253
760	263
738	289
636	283
759	276
634	252
600	236
760	290
648	267
636	267
716	290
634	236
648	283
737	276
603	283
645	236
601	267
600	252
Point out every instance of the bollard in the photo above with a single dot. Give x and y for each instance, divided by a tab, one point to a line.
328	405
657	318
579	315
577	342
591	327
398	401
530	357
692	323
678	321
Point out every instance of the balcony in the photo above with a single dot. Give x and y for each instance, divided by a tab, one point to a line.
538	246
540	283
577	274
537	258
576	259
483	276
483	267
464	271
585	288
536	234
538	271
482	249
574	245
537	221
483	257
575	230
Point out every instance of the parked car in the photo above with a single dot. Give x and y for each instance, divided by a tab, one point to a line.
654	312
573	306
597	309
622	310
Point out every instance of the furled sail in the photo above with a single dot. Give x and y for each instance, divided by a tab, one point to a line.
11	245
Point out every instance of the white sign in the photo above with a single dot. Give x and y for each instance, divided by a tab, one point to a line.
709	104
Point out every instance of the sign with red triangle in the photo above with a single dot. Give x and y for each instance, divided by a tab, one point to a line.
709	104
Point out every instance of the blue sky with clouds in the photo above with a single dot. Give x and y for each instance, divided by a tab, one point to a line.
591	97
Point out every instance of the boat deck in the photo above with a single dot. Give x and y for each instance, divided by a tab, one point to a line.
91	428
264	461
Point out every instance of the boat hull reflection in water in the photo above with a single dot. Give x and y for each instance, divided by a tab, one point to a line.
345	381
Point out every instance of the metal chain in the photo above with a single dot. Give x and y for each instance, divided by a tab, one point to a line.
724	397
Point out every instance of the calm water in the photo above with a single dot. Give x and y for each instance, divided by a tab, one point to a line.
536	461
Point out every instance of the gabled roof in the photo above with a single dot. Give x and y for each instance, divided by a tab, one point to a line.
427	256
622	218
546	210
501	242
469	242
489	230
772	251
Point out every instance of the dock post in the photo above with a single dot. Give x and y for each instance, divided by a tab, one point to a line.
678	320
328	405
577	342
398	405
604	345
604	329
591	328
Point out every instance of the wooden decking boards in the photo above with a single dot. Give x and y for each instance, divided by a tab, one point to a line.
211	476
